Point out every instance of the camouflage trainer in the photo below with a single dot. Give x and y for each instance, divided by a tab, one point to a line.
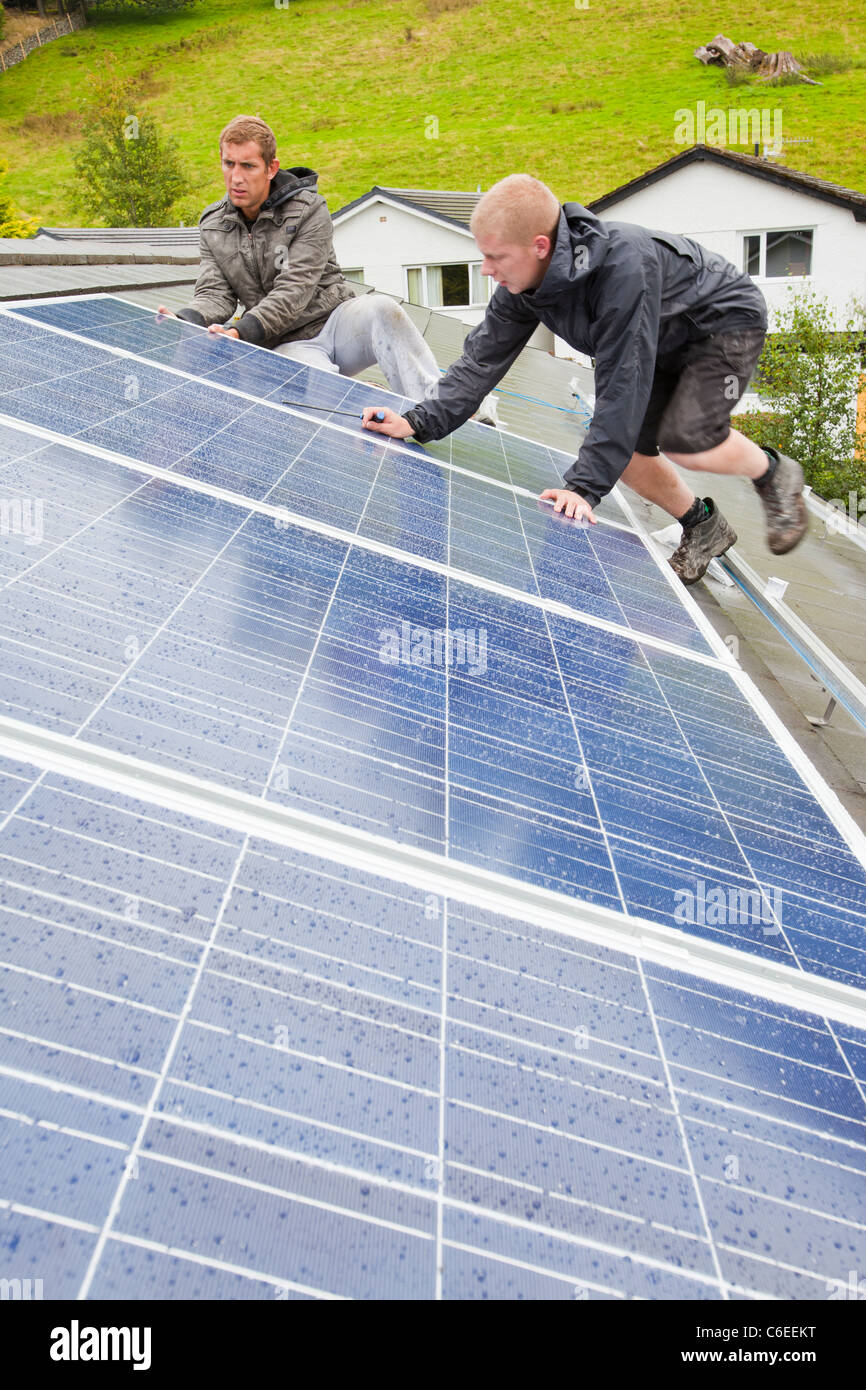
782	496
701	544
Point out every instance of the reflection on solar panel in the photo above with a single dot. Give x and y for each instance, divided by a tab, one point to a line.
405	894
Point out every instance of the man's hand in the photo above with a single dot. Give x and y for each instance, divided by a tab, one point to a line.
220	328
393	424
163	313
571	503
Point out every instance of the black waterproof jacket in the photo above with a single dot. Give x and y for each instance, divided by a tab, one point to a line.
620	293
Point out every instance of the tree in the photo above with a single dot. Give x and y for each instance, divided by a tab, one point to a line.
128	173
808	375
12	222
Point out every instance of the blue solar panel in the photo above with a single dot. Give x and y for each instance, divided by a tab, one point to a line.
185	630
271	376
417	506
231	1069
247	1043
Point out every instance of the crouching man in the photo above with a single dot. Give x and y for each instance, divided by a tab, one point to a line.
676	332
268	246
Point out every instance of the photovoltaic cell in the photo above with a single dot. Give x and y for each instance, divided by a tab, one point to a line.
229	1069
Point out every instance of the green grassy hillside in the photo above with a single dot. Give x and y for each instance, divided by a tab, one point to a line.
583	98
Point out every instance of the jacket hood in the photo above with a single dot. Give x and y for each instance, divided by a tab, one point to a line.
581	246
287	182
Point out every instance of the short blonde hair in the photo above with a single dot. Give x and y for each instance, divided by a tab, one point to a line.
517	209
243	128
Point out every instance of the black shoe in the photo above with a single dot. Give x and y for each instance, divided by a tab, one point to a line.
782	496
701	544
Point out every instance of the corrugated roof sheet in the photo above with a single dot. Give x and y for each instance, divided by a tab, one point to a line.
151	236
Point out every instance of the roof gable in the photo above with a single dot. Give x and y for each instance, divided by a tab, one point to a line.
747	164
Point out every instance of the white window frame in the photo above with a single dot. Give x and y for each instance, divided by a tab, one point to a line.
479	304
763	233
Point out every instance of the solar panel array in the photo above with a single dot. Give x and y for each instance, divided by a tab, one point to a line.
233	1067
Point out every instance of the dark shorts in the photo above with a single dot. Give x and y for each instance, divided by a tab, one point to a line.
695	390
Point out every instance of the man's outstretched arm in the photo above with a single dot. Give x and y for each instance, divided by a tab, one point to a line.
488	352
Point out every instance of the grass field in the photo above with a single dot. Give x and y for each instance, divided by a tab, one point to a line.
583	98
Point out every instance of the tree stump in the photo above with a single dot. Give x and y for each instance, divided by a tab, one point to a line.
723	53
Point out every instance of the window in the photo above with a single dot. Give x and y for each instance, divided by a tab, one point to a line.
776	255
447	286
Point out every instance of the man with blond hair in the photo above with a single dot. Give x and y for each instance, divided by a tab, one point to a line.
268	246
675	331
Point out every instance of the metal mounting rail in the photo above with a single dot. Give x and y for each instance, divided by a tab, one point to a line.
840	683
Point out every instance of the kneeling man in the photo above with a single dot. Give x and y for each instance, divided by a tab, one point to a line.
676	332
268	245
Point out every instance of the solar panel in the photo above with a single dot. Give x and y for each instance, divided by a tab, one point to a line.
445	1029
152	416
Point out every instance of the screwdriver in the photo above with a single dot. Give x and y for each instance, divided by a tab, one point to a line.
378	417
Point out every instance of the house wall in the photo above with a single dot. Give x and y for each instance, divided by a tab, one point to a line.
383	249
717	206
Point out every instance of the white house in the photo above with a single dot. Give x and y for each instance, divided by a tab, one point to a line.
783	227
414	243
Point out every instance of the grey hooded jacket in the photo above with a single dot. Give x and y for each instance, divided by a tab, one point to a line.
281	267
624	295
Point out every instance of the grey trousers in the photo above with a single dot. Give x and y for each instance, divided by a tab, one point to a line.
371	329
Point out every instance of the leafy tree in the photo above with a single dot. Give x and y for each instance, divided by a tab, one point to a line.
127	172
12	222
808	375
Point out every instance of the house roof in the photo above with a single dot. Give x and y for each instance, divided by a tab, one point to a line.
455	209
457	206
138	236
747	164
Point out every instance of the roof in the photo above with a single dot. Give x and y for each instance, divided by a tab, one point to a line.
458	206
151	236
453	208
19	281
792	179
102	246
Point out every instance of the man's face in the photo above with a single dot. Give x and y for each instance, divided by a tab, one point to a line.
246	175
515	268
